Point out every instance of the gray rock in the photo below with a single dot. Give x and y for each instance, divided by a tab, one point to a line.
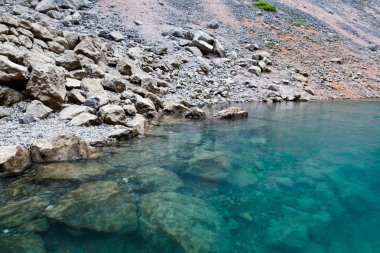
255	70
139	123
144	105
112	114
12	72
69	60
125	67
203	46
116	36
213	24
22	244
47	5
195	113
26	118
77	96
72	83
124	133
3	113
9	96
90	47
195	51
85	119
71	111
114	83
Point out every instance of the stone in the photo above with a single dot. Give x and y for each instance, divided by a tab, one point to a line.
26	118
189	221
114	83
139	123
13	53
71	111
124	133
255	70
154	179
72	39
130	110
25	41
76	96
55	14
195	51
102	206
62	148
41	32
252	47
55	47
112	114
232	113
92	86
144	105
150	84
69	60
21	212
47	84
72	83
213	24
309	90
125	67
14	159
70	171
47	5
116	36
12	72
273	87
22	244
175	109
195	113
4	113
90	47
337	60
9	96
38	109
4	29
203	46
85	119
34	59
208	165
218	49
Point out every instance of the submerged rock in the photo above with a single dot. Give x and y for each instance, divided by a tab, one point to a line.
13	158
21	212
232	113
100	206
153	179
212	165
22	244
189	221
70	171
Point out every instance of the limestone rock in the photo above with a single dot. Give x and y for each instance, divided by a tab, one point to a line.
92	86
14	158
47	84
74	110
175	109
195	113
232	113
47	5
255	70
211	166
70	171
112	114
90	47
69	60
85	119
144	105
150	85
190	222
114	83
9	96
125	67
124	133
102	206
76	96
38	109
61	148
12	72
139	123
72	83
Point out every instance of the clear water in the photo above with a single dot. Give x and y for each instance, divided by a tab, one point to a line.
291	178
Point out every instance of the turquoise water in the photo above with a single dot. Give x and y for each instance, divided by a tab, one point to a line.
293	177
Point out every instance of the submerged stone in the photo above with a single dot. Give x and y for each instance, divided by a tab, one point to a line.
22	244
152	179
21	212
189	221
209	165
70	171
99	206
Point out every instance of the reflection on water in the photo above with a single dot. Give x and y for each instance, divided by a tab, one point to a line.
290	178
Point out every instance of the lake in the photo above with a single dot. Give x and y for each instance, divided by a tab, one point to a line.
292	177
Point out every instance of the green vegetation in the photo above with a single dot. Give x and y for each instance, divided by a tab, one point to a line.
264	6
298	20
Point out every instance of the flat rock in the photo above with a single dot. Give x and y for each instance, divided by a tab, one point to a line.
232	113
38	109
85	119
74	110
112	114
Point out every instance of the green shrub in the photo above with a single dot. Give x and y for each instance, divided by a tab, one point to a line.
264	6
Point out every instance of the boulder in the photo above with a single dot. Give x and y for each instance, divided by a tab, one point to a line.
114	83
55	47
76	96
47	5
38	109
202	45
255	70
47	84
72	39
41	32
208	165
144	105
91	48
195	51
139	123
32	59
195	113
9	96
175	109
112	114
22	244
123	133
12	72
85	119
155	179
232	113
14	159
130	110
74	110
21	212
92	86
62	148
70	171
4	113
72	83
188	221
69	60
11	51
125	67
218	49
150	85
101	206
116	36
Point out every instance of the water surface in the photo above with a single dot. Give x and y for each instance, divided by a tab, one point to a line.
293	177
